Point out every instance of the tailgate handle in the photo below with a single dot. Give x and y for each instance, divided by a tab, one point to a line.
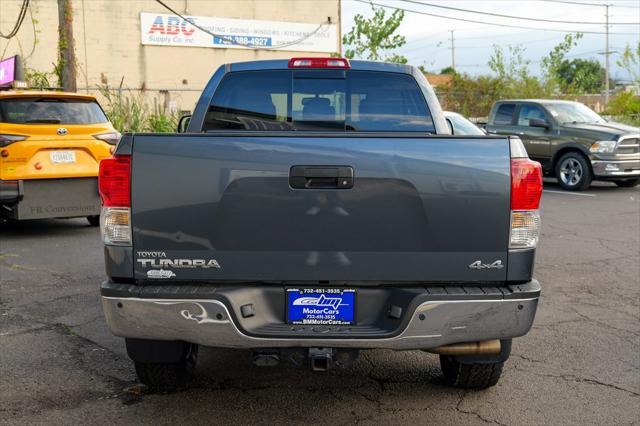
321	177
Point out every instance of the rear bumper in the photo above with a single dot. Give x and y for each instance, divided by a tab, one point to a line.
432	316
47	198
616	169
10	191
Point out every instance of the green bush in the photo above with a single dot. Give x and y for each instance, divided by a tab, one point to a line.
625	107
161	121
38	79
129	111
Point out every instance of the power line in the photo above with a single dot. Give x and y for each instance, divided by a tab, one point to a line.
232	41
588	4
508	44
497	35
484	23
423	47
572	2
499	15
18	24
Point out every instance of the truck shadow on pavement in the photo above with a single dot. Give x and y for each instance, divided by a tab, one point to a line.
227	382
39	227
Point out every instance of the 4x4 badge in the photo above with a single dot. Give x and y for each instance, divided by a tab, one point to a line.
479	265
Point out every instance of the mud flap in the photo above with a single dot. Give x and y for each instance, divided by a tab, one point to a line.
48	198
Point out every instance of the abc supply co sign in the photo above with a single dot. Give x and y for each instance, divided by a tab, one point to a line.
170	30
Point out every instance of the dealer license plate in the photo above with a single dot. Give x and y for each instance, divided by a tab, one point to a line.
63	157
321	306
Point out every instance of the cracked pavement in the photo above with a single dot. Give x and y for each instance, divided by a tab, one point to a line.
580	363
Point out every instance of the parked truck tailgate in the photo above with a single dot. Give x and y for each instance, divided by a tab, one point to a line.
221	206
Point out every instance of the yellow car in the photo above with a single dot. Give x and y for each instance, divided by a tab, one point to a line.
50	146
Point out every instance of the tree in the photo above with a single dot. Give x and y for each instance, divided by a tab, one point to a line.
375	38
38	79
448	70
470	96
580	76
66	66
630	62
513	76
552	62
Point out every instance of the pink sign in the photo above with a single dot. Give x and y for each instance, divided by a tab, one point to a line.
7	71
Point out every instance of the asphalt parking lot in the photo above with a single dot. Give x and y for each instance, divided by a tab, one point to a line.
580	363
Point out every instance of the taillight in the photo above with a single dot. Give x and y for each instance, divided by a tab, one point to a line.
115	226
526	190
114	181
112	138
114	185
525	229
526	184
9	139
319	63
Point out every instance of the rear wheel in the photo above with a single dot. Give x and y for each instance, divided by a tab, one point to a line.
169	376
472	375
93	220
629	183
574	172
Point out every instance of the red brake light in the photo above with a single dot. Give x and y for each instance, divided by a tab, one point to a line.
526	184
114	181
319	63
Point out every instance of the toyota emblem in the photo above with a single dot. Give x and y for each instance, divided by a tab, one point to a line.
62	131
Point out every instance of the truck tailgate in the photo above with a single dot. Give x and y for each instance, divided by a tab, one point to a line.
220	207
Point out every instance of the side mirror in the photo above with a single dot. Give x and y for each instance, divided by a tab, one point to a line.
184	123
539	122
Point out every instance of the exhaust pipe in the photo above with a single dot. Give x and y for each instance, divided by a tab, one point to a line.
485	347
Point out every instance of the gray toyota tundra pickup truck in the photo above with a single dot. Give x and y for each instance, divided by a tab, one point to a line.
317	207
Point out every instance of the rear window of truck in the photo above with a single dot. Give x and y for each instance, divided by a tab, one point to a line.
504	115
319	100
54	110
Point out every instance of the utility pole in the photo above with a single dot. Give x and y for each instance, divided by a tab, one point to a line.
66	46
606	57
453	51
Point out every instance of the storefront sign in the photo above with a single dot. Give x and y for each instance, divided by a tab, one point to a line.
7	71
171	30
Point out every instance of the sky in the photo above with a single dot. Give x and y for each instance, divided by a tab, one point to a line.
429	39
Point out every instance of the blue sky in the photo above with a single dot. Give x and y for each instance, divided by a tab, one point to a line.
428	38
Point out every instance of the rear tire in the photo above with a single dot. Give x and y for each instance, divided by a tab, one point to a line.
470	376
629	183
573	171
167	377
94	220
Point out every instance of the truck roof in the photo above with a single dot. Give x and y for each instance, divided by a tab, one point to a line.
539	101
276	64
